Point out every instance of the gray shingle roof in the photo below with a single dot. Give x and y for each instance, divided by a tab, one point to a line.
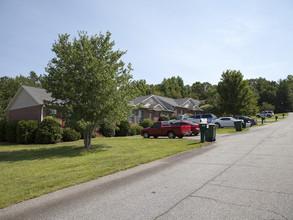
38	94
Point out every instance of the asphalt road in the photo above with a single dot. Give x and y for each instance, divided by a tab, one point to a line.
247	175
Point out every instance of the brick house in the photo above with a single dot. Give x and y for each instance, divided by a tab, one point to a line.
28	104
153	106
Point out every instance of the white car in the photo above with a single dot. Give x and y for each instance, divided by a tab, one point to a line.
187	118
225	122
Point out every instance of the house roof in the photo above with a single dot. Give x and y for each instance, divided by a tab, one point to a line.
36	94
168	103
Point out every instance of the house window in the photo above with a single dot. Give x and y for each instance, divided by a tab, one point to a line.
140	116
151	116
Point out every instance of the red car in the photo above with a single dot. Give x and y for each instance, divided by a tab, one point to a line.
194	127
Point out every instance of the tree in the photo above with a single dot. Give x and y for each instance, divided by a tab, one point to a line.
284	97
173	88
92	81
235	96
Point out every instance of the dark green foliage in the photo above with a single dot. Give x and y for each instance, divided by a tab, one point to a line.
138	129
25	131
107	129
75	126
173	117
147	123
11	131
124	128
49	131
2	131
133	130
70	134
164	118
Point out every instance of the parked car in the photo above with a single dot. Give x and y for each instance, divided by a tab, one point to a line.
225	122
246	120
210	117
187	118
165	128
194	127
265	114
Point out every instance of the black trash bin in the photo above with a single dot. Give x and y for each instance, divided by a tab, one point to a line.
203	128
238	125
211	133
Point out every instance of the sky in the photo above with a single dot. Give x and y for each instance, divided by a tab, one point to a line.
195	39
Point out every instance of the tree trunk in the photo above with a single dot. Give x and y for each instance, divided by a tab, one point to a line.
87	137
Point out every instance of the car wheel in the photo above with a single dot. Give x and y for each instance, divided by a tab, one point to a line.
180	136
195	133
155	136
218	125
171	134
146	135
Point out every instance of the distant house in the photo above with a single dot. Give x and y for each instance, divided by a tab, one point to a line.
153	106
28	104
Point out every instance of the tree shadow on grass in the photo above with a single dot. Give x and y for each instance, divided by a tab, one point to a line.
45	153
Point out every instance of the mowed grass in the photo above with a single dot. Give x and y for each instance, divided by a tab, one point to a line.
28	171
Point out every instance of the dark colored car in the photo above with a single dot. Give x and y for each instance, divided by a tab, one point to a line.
247	119
194	127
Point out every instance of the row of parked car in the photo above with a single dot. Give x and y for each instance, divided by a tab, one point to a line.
220	122
184	125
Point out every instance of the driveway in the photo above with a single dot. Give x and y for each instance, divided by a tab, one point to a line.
247	175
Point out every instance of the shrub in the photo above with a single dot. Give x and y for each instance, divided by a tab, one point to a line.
70	134
107	129
133	130
26	131
75	125
124	128
164	118
49	131
11	131
173	117
2	130
138	129
147	123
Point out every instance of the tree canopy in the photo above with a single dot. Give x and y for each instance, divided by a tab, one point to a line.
90	79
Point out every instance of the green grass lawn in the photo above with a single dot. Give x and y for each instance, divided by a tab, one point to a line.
228	130
28	171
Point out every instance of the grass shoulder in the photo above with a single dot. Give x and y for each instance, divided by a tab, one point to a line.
28	171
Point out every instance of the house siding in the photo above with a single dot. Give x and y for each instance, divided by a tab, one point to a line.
29	113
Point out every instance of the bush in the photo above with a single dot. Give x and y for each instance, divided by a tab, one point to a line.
138	129
75	125
164	118
107	129
11	131
26	131
70	134
133	130
2	131
147	123
173	117
49	131
124	128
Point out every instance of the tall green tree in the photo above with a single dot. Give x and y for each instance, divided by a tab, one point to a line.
90	78
174	88
284	97
235	96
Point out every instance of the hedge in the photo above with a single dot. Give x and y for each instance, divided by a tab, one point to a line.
124	128
25	131
70	134
3	131
107	129
11	131
164	118
49	131
147	123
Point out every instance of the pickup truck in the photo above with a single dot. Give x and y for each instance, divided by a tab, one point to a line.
165	128
187	118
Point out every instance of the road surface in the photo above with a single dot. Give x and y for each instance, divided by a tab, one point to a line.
248	175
